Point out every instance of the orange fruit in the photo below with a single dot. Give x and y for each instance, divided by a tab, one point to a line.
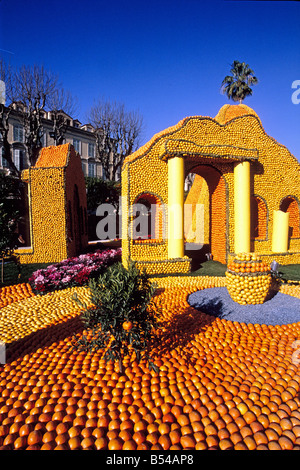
212	441
129	445
20	443
153	437
25	430
225	444
49	436
115	444
35	437
61	439
249	417
101	443
285	443
127	325
139	437
260	438
74	443
250	442
188	441
274	445
211	430
201	445
175	436
88	443
164	428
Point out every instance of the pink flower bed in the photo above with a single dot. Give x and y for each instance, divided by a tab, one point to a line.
73	271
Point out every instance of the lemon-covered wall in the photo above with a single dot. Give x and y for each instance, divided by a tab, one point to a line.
58	227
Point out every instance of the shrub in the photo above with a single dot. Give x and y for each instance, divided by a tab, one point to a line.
122	318
10	208
75	271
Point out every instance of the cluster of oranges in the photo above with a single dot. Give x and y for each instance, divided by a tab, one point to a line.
229	112
248	279
248	263
220	385
147	241
53	156
14	293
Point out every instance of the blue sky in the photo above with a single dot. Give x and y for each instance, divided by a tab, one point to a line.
165	58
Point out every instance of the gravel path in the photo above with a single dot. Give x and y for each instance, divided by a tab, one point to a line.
282	309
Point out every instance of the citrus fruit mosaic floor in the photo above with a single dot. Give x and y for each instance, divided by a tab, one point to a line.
220	384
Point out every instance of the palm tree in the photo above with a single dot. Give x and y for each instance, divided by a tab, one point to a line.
237	85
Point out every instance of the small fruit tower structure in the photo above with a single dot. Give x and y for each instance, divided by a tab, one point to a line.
248	279
57	206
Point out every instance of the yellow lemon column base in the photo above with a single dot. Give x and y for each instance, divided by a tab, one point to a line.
280	235
175	207
242	207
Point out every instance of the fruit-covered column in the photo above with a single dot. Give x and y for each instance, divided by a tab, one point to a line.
280	236
242	207
175	207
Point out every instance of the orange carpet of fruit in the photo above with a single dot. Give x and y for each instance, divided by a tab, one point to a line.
221	384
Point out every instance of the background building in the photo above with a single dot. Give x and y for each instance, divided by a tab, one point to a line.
81	136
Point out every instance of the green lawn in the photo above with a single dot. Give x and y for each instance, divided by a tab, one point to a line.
11	272
214	268
290	272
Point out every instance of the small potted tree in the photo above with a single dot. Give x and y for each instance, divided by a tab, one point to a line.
122	318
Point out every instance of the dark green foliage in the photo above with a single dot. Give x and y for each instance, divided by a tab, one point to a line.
100	191
120	295
10	193
237	85
15	274
10	204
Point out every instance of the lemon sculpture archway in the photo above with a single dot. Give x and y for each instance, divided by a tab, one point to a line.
245	160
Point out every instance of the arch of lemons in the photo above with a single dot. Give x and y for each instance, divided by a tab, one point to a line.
248	184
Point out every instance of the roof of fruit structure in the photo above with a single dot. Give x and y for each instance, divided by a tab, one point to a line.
231	111
205	136
53	156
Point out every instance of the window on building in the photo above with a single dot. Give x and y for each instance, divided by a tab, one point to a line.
42	138
20	159
91	150
118	174
18	133
83	167
92	170
4	162
77	145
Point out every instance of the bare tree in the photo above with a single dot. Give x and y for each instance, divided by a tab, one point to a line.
34	87
61	102
6	75
31	91
117	134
